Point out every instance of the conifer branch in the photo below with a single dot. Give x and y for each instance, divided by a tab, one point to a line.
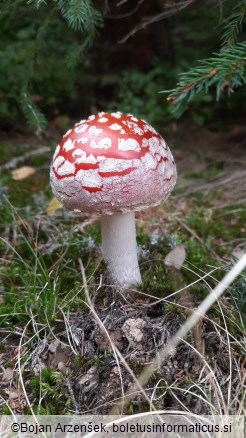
38	3
34	117
225	71
234	25
76	52
81	15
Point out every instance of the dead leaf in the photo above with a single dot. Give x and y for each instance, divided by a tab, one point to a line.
53	206
8	375
23	172
176	257
238	253
13	395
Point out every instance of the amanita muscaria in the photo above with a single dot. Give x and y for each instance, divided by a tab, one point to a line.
113	164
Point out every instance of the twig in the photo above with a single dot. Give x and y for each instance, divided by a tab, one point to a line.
127	14
190	231
12	164
155	19
122	2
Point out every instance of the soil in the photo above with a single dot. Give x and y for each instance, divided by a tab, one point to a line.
97	385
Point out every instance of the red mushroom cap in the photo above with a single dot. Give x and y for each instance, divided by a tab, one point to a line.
112	163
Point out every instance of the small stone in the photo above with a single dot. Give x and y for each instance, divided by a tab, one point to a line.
61	367
54	345
89	380
133	330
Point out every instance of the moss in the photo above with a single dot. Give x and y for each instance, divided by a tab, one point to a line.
156	282
54	394
79	363
196	253
173	309
142	237
212	224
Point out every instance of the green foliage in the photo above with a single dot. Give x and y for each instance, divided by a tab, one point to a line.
81	15
35	41
138	93
226	70
6	410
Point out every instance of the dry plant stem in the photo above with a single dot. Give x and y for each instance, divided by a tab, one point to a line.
188	325
119	248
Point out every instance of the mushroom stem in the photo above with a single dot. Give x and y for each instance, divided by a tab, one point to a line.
119	248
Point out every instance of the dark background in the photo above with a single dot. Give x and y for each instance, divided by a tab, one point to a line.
128	63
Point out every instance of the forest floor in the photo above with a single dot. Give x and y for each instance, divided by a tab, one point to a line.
56	357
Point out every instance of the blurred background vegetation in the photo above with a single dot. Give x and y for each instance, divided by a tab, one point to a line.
66	59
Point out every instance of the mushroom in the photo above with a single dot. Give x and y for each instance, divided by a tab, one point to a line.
113	164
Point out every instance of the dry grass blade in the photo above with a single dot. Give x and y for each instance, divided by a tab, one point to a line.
70	338
20	369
